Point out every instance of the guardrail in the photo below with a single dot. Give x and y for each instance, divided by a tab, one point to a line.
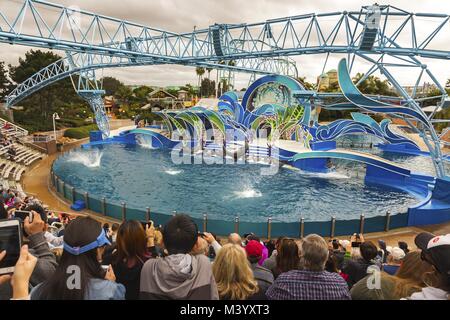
24	142
18	131
269	229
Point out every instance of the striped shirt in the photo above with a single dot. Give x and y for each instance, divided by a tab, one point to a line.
309	285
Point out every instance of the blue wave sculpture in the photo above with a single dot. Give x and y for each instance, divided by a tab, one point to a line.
362	124
353	95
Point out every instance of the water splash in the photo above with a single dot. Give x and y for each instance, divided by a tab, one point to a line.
173	172
90	159
144	141
325	175
248	193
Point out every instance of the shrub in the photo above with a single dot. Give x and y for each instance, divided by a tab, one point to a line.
71	122
80	132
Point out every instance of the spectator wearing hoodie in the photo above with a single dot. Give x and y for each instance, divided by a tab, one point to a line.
262	275
436	251
179	275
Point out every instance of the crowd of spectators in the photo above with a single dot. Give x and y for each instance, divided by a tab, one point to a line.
136	260
7	140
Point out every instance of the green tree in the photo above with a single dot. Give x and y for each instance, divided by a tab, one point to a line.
5	83
200	71
124	94
208	87
111	85
443	114
209	72
39	107
142	92
190	89
374	85
224	86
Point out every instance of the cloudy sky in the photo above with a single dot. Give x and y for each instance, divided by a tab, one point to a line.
183	15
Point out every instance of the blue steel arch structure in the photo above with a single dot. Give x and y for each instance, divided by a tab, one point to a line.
80	63
383	35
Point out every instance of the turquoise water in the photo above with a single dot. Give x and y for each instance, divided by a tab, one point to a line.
148	178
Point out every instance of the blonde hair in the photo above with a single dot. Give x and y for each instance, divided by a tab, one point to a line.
234	277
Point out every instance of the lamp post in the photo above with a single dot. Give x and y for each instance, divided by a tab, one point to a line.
55	116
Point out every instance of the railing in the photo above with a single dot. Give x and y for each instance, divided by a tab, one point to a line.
269	229
26	141
15	129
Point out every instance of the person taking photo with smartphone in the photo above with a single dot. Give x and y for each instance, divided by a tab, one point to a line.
34	231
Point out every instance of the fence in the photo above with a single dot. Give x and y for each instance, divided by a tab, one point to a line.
269	229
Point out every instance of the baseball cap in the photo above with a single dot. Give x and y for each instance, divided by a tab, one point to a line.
344	243
397	253
437	248
254	248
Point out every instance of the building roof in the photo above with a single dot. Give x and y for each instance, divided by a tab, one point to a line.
151	94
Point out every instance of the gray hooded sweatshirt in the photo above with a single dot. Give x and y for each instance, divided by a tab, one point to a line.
178	277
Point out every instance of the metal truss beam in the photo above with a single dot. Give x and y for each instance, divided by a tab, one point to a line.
43	24
75	63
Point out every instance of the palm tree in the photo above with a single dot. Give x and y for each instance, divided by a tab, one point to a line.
209	72
200	71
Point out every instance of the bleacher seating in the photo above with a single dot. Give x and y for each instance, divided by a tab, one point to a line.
13	165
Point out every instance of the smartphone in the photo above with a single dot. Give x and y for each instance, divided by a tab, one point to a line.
356	244
21	214
11	242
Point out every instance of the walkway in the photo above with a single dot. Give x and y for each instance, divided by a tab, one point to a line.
36	181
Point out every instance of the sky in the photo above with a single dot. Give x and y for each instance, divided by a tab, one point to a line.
183	15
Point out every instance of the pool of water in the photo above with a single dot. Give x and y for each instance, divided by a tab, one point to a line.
148	178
